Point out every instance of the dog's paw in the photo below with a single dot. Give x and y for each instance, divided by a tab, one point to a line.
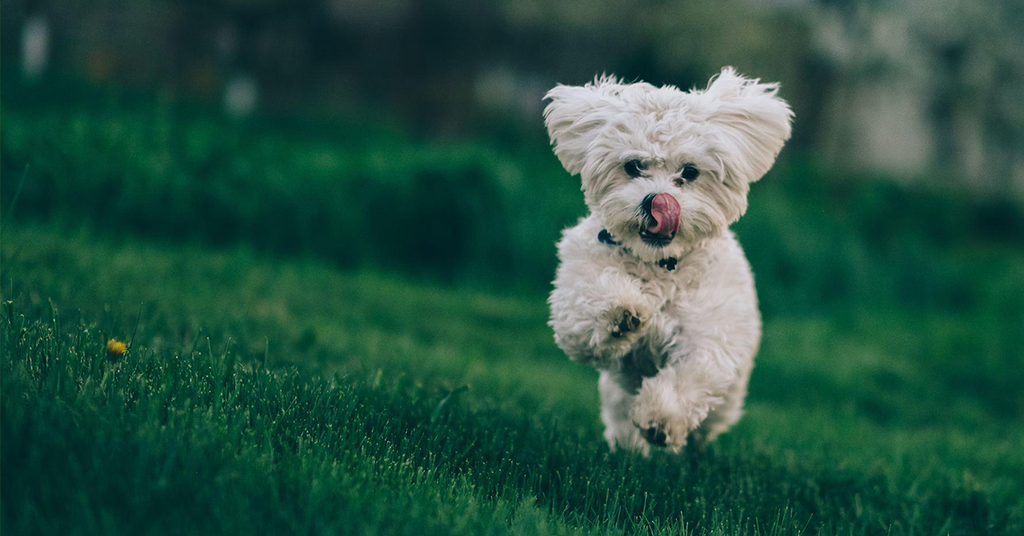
663	418
655	435
626	322
667	433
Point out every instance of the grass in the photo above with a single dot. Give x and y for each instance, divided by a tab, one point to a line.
293	371
352	418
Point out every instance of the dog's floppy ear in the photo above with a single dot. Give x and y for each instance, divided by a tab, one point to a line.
751	121
575	114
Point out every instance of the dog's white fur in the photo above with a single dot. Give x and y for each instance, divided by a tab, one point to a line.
684	369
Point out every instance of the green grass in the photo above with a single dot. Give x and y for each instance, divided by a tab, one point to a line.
297	366
284	396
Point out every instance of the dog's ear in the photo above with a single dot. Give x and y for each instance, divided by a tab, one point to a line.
751	121
574	116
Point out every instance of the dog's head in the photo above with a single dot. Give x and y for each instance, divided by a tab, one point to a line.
662	168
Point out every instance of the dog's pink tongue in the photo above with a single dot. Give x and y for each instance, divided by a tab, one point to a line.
665	210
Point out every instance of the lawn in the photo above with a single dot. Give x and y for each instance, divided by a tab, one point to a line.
289	372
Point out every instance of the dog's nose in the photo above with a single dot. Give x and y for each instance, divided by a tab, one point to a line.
646	204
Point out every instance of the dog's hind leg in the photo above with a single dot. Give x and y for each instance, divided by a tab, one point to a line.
619	430
723	416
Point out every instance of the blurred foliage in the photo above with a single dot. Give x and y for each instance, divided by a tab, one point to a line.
357	194
915	88
486	211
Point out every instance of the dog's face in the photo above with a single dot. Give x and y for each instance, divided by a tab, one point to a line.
662	168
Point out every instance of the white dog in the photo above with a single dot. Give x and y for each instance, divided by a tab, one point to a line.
653	289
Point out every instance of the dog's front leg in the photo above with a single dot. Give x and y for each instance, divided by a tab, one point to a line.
677	400
598	318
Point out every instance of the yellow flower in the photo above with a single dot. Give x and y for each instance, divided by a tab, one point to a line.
116	349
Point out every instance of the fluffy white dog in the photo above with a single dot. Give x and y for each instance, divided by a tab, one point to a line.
653	289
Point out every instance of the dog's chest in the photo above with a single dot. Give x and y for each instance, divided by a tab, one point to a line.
667	290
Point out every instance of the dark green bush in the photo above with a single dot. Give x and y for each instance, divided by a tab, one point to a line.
363	195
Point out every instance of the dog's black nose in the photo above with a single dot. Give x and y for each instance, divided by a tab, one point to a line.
646	204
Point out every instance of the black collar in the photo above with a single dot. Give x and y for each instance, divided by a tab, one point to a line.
605	237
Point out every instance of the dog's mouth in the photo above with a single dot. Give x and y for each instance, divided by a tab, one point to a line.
656	240
660	219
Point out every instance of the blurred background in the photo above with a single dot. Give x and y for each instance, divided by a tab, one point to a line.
289	125
924	89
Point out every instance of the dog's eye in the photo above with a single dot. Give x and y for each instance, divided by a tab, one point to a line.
690	172
634	168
